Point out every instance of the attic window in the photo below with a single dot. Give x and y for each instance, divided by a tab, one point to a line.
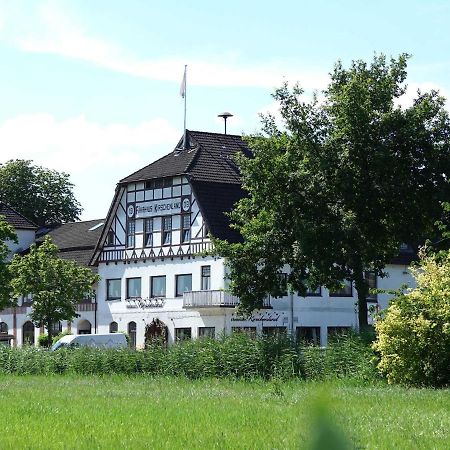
96	226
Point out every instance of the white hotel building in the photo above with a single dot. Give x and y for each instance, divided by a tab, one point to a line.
148	254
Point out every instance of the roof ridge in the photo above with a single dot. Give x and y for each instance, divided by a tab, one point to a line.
153	162
220	134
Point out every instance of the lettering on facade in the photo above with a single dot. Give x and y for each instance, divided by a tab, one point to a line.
158	208
257	317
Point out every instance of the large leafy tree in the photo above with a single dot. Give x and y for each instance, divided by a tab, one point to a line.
42	195
56	285
7	233
338	189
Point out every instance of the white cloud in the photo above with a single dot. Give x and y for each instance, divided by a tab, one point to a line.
75	144
54	33
95	155
407	99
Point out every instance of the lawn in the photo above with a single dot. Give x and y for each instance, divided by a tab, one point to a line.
140	412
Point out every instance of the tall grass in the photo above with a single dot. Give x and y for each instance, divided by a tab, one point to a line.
235	356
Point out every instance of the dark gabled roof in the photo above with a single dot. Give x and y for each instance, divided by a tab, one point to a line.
15	219
76	240
208	157
215	200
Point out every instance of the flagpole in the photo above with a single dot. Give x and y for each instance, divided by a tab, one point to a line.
185	92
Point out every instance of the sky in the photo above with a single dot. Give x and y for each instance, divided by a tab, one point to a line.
91	88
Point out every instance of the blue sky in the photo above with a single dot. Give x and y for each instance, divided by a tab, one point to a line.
92	87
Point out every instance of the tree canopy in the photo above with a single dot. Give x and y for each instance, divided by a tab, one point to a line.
56	285
7	233
42	195
336	190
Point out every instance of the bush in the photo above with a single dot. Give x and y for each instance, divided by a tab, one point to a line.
413	338
235	356
346	356
56	338
43	340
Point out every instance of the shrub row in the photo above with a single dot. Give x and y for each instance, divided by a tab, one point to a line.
237	356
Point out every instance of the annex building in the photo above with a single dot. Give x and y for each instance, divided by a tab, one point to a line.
148	252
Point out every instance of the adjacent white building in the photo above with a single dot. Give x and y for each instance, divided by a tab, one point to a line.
148	253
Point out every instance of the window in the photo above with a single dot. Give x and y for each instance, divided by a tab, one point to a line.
282	285
186	227
113	327
84	327
149	184
133	287
345	291
131	229
182	334
274	331
158	286
148	232
206	332
206	278
3	328
308	335
28	333
132	334
371	280
167	182
183	284
251	331
167	230
110	238
338	331
114	289
56	328
314	293
311	293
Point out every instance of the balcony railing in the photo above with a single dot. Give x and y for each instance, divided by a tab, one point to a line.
212	299
85	306
16	309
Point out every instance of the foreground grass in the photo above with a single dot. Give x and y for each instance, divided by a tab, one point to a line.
63	412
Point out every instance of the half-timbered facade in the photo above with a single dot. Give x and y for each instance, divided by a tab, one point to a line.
152	267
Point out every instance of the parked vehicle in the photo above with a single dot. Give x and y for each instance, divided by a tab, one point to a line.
110	340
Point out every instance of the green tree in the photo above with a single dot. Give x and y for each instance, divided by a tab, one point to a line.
7	233
413	337
42	195
56	285
341	186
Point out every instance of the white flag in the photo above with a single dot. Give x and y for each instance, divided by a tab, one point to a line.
183	85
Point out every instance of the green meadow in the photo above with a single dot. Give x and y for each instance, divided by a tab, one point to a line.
109	412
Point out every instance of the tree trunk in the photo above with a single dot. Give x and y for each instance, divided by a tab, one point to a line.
363	290
362	311
49	334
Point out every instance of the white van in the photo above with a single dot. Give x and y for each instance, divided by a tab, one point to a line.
110	340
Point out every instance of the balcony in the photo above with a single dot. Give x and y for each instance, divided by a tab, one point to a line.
214	299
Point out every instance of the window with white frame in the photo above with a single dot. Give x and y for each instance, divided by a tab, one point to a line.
131	233
148	232
167	230
185	228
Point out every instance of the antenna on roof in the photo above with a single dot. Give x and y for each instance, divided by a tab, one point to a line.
225	116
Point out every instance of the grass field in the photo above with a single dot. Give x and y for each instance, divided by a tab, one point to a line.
139	412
